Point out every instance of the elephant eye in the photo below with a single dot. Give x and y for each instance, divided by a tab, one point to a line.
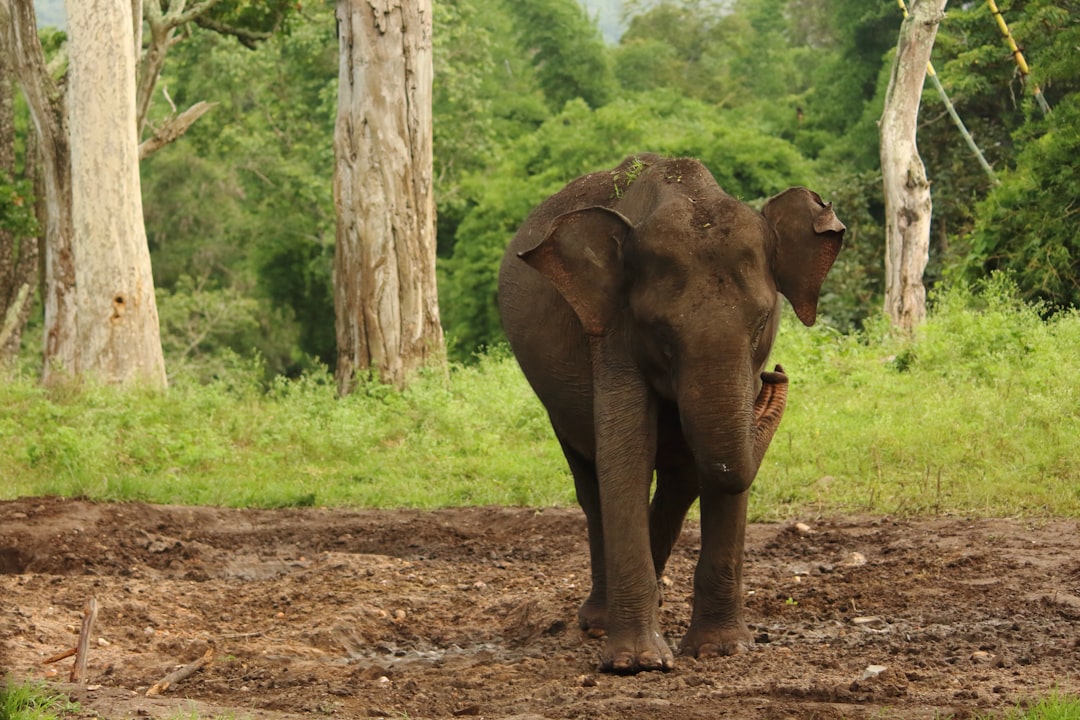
755	338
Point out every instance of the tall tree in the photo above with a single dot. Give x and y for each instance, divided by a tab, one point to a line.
117	338
72	335
18	244
45	102
907	191
385	301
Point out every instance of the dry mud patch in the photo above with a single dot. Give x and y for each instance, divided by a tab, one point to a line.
471	612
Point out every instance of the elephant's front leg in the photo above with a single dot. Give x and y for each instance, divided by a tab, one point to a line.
717	626
634	641
625	420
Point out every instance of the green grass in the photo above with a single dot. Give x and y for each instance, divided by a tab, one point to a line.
476	438
32	701
1052	707
977	414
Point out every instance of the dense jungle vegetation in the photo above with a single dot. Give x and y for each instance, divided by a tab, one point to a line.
768	93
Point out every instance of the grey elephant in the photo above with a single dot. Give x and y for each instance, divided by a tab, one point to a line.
642	303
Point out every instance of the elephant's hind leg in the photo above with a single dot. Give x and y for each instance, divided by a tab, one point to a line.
592	615
677	487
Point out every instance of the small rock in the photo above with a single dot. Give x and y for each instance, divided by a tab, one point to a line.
872	671
855	559
803	528
399	615
868	620
479	585
981	656
587	680
102	642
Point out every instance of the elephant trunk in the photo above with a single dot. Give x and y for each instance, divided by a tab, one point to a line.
729	436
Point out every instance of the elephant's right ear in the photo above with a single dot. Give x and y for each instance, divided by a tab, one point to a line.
580	256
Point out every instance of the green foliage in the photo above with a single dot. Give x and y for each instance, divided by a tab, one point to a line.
752	54
476	437
486	94
243	203
972	413
746	161
768	93
565	49
17	208
32	701
1029	224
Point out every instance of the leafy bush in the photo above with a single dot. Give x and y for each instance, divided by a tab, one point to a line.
1029	224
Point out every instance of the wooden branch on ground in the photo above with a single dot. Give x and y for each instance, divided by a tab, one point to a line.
60	656
82	650
173	128
177	675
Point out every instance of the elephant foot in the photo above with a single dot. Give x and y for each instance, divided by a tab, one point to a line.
633	653
716	641
592	617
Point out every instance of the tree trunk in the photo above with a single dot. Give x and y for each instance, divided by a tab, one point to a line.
118	339
386	307
907	190
47	111
18	253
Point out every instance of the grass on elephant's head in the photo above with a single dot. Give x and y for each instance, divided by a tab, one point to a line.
33	701
977	414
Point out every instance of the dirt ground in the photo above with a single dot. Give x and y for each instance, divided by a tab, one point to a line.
471	612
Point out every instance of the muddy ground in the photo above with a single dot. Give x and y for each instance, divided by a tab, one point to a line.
471	612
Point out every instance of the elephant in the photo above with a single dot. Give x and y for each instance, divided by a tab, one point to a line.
641	304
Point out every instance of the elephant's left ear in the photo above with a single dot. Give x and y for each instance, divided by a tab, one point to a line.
580	256
809	236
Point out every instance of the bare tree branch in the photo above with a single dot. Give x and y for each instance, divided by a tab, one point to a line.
247	38
173	128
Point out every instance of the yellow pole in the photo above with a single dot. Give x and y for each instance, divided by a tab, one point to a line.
1018	56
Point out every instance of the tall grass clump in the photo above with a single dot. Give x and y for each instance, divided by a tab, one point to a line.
1055	706
976	413
32	701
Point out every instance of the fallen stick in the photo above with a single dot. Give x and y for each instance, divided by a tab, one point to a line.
60	656
177	675
82	650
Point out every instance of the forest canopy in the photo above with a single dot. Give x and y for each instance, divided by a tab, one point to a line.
768	93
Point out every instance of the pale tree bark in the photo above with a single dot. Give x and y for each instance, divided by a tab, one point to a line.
907	190
18	255
117	323
386	307
47	110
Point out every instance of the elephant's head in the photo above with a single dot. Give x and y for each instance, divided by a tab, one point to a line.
682	280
